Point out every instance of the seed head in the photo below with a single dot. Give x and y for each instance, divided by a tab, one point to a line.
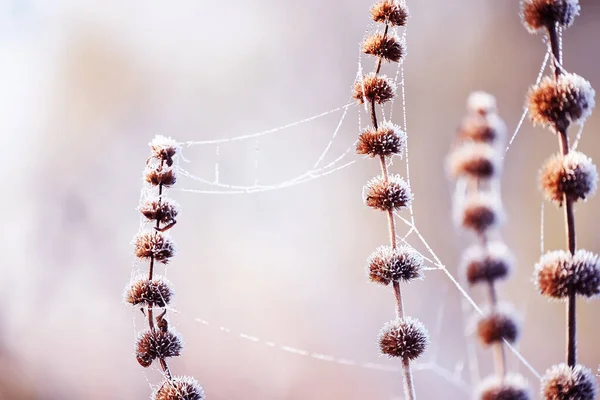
478	128
152	293
155	175
511	387
163	210
153	344
387	140
179	388
480	212
388	47
164	148
573	175
557	104
497	326
481	103
377	88
390	11
153	244
562	382
476	160
393	194
392	265
557	274
543	14
406	338
489	264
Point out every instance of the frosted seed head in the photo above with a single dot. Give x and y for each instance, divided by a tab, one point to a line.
179	388
478	128
155	175
562	382
586	267
388	47
557	104
497	325
157	344
164	149
387	140
538	15
153	244
164	210
557	274
511	387
152	293
481	103
487	264
573	175
387	265
393	194
373	87
475	160
390	11
480	212
406	338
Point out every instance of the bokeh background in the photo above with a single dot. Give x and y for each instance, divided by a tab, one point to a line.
85	86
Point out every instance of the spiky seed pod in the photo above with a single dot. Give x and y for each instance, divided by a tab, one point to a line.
388	47
478	128
390	195
164	176
481	103
164	210
480	212
476	160
557	104
542	14
562	382
157	344
373	87
406	338
164	149
489	264
179	388
511	387
573	175
154	244
387	265
497	326
557	274
390	12
387	140
152	293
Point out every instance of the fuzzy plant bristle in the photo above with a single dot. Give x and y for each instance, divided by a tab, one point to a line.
387	140
562	382
179	388
479	128
155	245
154	293
390	12
477	160
165	211
389	47
496	326
509	387
374	88
487	264
389	194
388	265
406	338
574	176
157	344
161	177
558	273
539	15
480	213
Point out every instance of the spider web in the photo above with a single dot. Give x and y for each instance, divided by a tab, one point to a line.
215	185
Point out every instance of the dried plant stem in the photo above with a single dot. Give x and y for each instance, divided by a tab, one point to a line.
571	310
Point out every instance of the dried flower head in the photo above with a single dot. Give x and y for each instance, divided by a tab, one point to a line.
476	160
543	14
387	265
390	12
373	87
152	293
557	104
389	47
558	273
480	212
156	175
574	176
562	382
406	338
162	210
487	264
179	388
478	128
496	326
481	103
156	245
386	140
511	387
387	195
157	344
164	148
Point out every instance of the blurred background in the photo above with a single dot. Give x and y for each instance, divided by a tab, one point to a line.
86	85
